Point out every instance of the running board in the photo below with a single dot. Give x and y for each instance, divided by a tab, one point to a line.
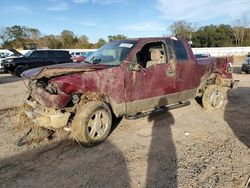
161	109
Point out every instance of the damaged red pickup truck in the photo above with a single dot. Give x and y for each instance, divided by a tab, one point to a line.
123	78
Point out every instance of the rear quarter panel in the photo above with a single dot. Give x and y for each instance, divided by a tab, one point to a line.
208	66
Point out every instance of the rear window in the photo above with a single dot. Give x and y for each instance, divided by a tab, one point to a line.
180	50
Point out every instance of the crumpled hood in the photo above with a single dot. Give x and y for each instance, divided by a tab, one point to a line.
61	69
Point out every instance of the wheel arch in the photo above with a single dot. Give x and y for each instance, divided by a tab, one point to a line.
117	109
214	78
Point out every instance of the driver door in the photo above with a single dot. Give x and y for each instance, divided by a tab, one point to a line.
150	86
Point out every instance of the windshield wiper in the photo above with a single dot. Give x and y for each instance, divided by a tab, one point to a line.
96	61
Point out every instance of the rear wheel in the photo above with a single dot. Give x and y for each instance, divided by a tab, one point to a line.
19	70
92	123
214	97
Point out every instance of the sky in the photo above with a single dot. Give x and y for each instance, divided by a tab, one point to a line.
133	18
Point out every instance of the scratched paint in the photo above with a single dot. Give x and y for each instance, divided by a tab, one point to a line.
122	84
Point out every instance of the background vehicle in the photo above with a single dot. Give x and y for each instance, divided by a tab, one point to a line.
8	53
246	65
35	58
202	55
2	57
76	54
82	57
123	78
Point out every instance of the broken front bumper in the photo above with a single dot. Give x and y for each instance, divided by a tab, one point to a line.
46	117
234	84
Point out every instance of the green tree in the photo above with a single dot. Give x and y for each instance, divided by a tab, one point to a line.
246	41
50	41
82	42
33	33
116	37
68	39
182	29
16	32
100	43
213	36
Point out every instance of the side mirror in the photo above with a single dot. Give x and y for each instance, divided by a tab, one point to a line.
134	67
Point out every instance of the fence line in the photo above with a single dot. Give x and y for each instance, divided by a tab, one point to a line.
219	51
223	51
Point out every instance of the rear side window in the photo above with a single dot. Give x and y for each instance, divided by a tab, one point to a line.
62	54
51	54
180	50
39	54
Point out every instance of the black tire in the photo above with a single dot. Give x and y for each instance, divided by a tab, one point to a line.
92	123
214	97
19	70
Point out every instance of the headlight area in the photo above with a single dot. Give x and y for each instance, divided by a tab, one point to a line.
51	100
7	62
48	94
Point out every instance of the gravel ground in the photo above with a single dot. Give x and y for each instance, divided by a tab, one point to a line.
185	147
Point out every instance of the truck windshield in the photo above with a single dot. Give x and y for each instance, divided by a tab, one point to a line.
112	53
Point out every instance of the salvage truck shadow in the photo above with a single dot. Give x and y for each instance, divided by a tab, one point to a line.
237	113
66	164
162	160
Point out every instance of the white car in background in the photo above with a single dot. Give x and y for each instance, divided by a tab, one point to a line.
7	53
76	54
2	57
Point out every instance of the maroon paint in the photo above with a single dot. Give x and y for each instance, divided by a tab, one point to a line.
49	100
124	85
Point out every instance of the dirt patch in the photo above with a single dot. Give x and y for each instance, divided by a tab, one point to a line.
185	147
12	91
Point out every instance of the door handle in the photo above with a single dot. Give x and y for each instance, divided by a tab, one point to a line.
170	72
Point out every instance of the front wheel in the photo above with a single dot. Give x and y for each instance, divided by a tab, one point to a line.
213	97
19	70
92	123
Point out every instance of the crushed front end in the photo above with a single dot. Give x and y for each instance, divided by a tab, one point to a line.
48	107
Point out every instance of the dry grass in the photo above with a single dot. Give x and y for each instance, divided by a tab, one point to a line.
239	59
22	121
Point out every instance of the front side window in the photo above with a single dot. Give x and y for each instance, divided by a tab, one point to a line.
152	53
34	55
113	53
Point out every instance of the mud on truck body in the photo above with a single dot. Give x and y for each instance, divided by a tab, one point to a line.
123	78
